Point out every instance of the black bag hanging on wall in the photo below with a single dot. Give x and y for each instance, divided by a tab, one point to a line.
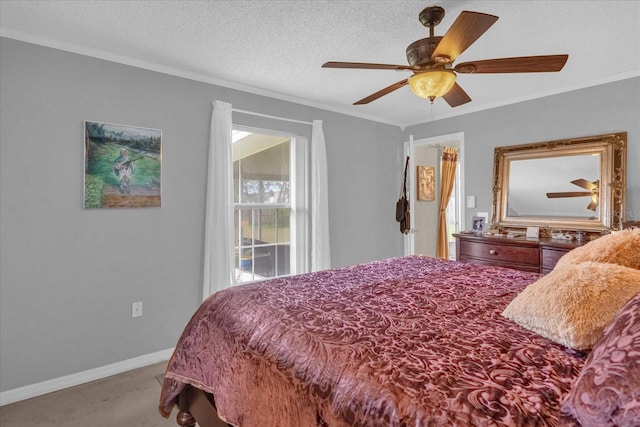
402	205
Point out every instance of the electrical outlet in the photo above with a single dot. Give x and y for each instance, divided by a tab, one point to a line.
136	309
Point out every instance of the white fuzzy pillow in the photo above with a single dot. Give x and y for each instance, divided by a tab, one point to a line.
574	303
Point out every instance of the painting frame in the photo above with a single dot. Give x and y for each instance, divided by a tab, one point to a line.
122	166
425	177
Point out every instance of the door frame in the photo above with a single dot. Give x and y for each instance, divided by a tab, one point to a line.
409	150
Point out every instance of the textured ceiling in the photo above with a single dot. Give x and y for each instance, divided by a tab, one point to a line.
276	48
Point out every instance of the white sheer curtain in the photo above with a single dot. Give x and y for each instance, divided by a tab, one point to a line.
320	249
218	240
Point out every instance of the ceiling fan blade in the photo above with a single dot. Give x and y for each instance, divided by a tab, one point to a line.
382	92
569	194
585	184
521	64
592	205
366	66
456	96
465	30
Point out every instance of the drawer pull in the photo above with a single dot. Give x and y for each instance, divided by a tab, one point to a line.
492	252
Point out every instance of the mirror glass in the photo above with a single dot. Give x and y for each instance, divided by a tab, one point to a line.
555	187
572	184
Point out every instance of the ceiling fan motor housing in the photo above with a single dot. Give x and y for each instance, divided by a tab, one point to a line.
419	52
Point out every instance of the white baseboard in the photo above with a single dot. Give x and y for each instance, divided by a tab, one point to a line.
55	384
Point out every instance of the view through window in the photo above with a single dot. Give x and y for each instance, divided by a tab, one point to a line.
262	205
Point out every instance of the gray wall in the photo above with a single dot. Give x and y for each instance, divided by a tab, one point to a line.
68	276
608	108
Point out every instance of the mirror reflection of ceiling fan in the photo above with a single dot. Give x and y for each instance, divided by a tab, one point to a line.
431	59
588	185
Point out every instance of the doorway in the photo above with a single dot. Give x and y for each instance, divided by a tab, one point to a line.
422	239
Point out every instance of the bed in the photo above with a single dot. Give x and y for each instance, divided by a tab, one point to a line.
407	341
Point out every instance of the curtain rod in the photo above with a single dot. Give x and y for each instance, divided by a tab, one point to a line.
271	117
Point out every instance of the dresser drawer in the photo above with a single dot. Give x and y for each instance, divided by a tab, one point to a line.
539	255
549	258
498	263
500	253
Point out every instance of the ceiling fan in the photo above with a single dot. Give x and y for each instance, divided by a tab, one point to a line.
431	59
591	186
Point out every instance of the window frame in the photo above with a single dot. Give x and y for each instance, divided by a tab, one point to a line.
299	197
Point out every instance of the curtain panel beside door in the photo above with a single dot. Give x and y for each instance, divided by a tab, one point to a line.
447	182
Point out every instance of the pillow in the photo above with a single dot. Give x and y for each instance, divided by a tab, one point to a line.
607	391
620	247
572	305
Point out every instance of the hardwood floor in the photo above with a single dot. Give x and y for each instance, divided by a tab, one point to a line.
127	399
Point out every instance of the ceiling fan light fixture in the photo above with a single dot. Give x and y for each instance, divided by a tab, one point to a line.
432	84
431	59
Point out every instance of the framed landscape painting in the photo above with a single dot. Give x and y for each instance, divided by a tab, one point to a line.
122	166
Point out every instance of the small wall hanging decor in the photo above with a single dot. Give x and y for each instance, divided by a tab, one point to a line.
426	183
122	166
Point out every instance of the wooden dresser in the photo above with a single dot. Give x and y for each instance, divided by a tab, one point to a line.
539	255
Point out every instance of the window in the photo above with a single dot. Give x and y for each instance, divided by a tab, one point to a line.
269	223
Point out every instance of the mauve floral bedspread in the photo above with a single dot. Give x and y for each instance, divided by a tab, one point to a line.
409	341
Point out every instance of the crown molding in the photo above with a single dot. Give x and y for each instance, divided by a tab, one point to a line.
151	66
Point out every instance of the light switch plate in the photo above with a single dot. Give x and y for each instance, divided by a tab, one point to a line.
136	309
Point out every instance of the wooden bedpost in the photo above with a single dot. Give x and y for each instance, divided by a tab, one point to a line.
184	417
195	405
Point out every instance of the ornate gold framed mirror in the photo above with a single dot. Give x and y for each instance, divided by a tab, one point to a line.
568	184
